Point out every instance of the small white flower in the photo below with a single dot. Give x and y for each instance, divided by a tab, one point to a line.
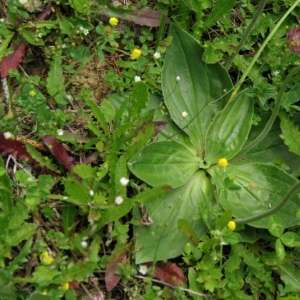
60	132
8	135
64	46
184	114
177	78
124	181
40	35
137	79
2	20
84	244
119	200
156	55
275	73
91	192
143	269
23	2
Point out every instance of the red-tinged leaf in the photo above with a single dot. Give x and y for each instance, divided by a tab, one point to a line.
169	273
145	16
159	126
96	297
111	279
43	16
59	152
13	60
74	284
15	148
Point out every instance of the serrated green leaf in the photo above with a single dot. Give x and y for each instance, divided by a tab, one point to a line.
5	42
229	130
99	116
221	8
164	163
121	171
290	274
5	191
85	171
44	161
20	234
31	38
77	193
55	81
271	149
21	257
290	133
200	92
82	6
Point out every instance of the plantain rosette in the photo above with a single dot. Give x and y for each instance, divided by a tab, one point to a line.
205	125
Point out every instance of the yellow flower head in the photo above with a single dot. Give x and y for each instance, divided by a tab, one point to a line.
32	93
46	259
113	21
65	286
223	162
135	54
231	225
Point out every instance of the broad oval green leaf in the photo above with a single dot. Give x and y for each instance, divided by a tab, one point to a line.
163	239
229	130
270	150
200	91
290	239
164	163
275	226
262	186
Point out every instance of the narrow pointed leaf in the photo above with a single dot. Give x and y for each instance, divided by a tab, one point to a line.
271	149
229	130
164	163
290	133
200	92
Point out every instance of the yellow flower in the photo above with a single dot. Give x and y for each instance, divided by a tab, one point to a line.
231	225
113	21
32	93
65	286
223	162
135	54
46	259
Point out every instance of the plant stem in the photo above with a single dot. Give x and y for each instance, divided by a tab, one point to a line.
261	49
246	34
273	116
271	211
